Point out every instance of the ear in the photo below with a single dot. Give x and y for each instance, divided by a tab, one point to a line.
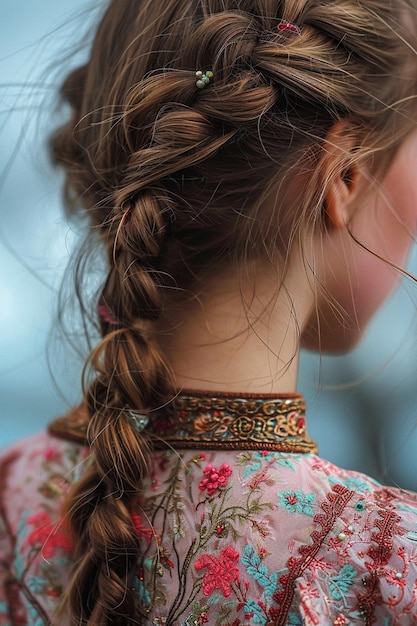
342	175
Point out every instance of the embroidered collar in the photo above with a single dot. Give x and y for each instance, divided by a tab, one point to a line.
210	420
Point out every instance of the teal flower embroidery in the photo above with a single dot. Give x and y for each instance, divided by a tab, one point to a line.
259	458
412	536
353	483
339	585
251	469
259	571
255	613
407	509
34	618
37	584
285	462
139	586
297	501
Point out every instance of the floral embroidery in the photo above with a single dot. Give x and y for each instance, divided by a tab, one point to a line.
141	531
227	538
351	482
220	572
254	461
143	593
198	616
298	502
332	509
407	509
260	612
379	551
50	454
216	479
255	568
47	535
255	612
340	584
412	536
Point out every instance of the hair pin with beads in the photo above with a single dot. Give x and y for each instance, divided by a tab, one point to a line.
203	78
283	26
138	420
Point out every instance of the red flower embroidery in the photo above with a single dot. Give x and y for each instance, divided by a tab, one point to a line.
220	572
263	553
292	499
49	535
50	454
147	532
216	478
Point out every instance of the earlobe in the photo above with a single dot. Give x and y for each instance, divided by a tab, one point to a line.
341	175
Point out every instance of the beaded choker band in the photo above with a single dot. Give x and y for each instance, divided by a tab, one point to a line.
210	421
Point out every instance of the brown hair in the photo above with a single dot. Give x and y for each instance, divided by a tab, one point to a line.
172	179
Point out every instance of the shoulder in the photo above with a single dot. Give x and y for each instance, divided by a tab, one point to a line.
35	545
36	472
303	540
362	553
364	492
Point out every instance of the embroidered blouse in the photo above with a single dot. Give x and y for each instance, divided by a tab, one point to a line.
256	531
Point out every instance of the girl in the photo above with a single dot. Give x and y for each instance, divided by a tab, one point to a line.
247	167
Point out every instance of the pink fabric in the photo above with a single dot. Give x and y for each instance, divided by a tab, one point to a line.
228	538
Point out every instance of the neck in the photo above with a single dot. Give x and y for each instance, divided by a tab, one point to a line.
237	334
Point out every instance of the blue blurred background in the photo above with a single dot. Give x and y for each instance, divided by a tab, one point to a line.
362	408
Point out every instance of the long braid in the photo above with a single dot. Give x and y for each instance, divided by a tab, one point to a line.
132	375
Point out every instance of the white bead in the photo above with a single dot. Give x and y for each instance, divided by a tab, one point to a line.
199	74
398	575
342	537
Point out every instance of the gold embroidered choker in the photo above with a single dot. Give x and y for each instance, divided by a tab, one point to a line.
216	421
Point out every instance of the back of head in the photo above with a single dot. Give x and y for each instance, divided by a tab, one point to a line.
173	179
